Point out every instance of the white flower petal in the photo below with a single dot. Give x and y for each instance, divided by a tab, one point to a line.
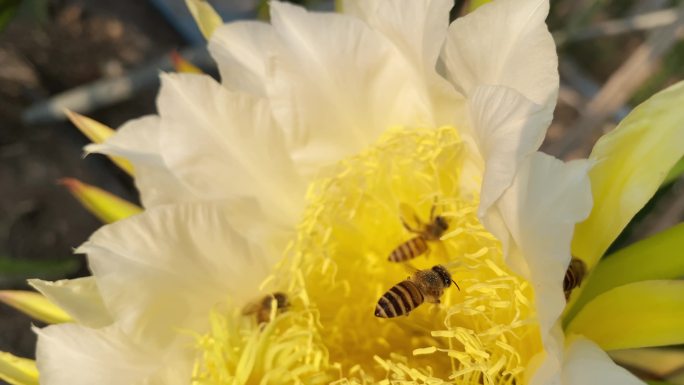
428	21
420	44
586	364
242	50
545	367
163	270
224	145
505	42
71	354
337	85
540	210
507	127
138	141
535	218
79	297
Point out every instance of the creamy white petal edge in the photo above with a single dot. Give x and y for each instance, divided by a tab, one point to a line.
79	297
138	141
587	364
71	354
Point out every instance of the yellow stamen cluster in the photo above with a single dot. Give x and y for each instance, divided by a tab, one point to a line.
336	270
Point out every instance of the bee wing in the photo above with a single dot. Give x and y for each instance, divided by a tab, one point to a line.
251	308
410	268
409	216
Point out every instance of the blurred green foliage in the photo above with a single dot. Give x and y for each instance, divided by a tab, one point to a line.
8	8
33	10
13	270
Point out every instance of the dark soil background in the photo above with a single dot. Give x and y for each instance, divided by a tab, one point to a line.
40	222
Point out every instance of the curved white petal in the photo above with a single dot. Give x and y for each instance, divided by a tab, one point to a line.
420	44
587	364
505	42
79	297
138	141
71	354
535	218
418	28
540	210
337	85
545	367
161	271
242	50
507	127
224	145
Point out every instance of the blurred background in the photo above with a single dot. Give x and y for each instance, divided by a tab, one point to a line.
102	58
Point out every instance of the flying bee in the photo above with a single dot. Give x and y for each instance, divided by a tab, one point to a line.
423	286
417	246
262	308
574	276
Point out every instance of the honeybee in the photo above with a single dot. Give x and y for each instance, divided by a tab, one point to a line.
573	276
424	285
262	307
417	245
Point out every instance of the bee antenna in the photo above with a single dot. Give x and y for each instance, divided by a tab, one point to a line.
454	282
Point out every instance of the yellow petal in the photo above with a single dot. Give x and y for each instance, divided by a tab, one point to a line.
182	65
657	257
35	305
18	371
631	163
97	133
205	16
641	314
104	205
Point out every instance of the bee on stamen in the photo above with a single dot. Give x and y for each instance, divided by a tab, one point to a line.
574	276
425	232
423	286
262	307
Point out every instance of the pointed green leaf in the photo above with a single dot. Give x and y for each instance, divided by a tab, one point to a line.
104	205
475	4
631	163
97	133
657	257
641	314
34	305
18	371
659	362
205	16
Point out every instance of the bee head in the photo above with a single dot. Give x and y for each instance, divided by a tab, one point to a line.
443	274
441	222
281	300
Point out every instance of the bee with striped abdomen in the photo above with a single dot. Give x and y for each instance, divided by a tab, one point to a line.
262	308
574	276
417	246
422	286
